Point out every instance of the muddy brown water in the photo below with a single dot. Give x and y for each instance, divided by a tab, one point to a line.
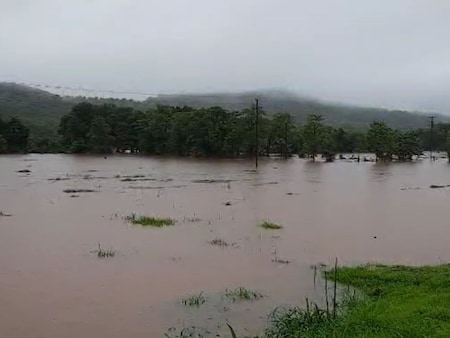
52	285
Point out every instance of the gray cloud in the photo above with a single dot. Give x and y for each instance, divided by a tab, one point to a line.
392	53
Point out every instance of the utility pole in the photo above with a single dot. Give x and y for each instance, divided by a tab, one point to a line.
431	136
256	132
286	139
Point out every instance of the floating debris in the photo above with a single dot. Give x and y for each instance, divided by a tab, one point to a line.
23	171
264	183
73	191
4	214
280	260
212	181
59	179
155	188
129	179
132	176
436	186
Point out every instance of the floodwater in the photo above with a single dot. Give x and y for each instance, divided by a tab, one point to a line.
52	285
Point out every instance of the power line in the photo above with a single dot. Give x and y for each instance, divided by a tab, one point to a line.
58	88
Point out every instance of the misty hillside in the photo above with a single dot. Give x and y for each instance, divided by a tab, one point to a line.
300	107
43	110
34	107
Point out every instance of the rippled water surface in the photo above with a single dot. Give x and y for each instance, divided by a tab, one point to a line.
53	285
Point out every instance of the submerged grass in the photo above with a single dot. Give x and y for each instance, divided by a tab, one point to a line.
194	300
397	301
150	221
242	293
270	225
219	242
104	253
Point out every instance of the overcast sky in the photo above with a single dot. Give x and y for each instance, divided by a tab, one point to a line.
390	53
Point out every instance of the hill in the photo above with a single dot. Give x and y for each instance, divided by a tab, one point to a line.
37	108
42	110
300	107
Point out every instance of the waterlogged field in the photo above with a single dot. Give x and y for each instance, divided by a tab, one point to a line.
141	247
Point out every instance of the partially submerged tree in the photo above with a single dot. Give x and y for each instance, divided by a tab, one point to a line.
315	136
381	141
407	144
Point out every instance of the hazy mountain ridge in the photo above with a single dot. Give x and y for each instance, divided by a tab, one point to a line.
44	110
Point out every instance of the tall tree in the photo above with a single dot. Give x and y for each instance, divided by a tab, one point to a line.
407	144
100	139
380	140
315	136
3	145
16	135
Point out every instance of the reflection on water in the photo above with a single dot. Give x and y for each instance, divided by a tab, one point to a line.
51	284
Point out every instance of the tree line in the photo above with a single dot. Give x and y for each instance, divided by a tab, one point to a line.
216	132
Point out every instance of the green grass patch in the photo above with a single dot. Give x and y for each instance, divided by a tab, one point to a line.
150	221
270	225
397	301
242	293
194	300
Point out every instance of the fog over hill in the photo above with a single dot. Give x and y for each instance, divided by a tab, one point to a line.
43	109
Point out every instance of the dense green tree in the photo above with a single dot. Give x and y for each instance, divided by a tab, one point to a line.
16	135
281	130
447	146
381	140
75	127
214	131
315	136
100	139
407	144
3	145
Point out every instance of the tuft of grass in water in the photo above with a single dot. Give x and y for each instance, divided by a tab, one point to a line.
187	332
194	300
242	293
219	242
192	219
396	301
104	253
270	225
149	221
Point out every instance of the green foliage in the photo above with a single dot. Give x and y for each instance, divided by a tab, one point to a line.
270	225
150	221
399	301
100	139
194	300
381	140
242	293
407	144
3	145
15	136
315	137
447	146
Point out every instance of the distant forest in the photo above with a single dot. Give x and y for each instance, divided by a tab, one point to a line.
37	121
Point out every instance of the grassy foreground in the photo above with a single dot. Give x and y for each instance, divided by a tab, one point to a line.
398	301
